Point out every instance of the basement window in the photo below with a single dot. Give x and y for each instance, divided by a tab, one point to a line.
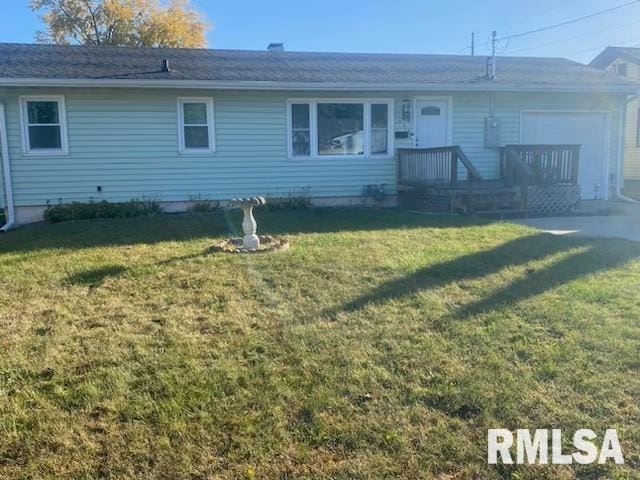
44	130
195	119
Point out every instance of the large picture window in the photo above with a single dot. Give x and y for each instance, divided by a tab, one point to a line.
332	128
340	129
196	131
43	125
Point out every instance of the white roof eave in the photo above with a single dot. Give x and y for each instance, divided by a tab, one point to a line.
490	86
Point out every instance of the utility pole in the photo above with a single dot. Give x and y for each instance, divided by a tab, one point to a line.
494	40
473	44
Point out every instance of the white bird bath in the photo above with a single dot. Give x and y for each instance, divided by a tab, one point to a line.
250	241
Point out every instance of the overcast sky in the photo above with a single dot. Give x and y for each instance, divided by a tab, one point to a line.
410	26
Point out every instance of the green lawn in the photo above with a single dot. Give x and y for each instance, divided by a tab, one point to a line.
381	345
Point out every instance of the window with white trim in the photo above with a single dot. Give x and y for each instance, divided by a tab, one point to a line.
44	129
380	128
196	130
621	69
300	130
340	128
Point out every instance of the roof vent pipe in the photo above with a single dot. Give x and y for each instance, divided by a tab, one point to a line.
165	66
276	47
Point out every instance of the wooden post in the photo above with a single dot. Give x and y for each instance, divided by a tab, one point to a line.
454	168
575	164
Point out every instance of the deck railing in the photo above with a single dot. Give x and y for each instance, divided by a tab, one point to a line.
435	166
521	167
515	171
547	164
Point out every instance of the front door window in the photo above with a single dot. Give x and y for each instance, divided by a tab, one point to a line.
432	118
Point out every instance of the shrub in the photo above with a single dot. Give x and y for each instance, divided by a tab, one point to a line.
202	205
103	209
144	207
295	200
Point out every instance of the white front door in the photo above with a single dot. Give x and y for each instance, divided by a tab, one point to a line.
432	121
586	129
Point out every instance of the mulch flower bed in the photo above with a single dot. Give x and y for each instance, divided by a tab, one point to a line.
267	244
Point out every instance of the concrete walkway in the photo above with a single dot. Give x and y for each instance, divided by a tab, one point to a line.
625	224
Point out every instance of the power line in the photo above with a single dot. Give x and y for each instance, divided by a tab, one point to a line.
567	39
601	48
466	48
549	27
561	24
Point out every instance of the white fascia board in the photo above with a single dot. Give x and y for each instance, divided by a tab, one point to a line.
315	86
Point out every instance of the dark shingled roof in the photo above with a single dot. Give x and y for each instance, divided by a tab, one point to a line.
25	61
609	54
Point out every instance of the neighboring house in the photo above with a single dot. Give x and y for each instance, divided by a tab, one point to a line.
625	61
92	123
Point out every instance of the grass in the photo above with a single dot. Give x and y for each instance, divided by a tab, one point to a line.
382	344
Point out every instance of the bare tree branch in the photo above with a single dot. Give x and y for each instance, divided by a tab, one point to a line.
93	20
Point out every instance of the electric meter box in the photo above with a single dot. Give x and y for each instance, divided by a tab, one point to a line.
491	132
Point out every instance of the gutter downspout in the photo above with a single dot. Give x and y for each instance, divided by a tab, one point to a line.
6	170
622	119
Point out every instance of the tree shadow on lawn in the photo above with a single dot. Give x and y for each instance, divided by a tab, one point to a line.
94	277
591	256
222	223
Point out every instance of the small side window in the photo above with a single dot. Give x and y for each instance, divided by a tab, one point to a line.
196	125
379	129
300	130
43	125
621	69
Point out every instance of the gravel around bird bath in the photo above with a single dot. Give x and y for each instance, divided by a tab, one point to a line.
268	243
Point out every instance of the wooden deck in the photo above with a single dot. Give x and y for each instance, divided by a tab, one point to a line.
444	178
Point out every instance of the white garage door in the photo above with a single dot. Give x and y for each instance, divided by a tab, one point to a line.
586	129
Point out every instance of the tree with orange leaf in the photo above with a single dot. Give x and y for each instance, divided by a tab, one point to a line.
133	23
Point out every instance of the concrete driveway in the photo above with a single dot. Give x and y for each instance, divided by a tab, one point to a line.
625	224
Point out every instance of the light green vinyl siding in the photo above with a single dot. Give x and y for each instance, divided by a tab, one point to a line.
126	141
471	109
631	148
